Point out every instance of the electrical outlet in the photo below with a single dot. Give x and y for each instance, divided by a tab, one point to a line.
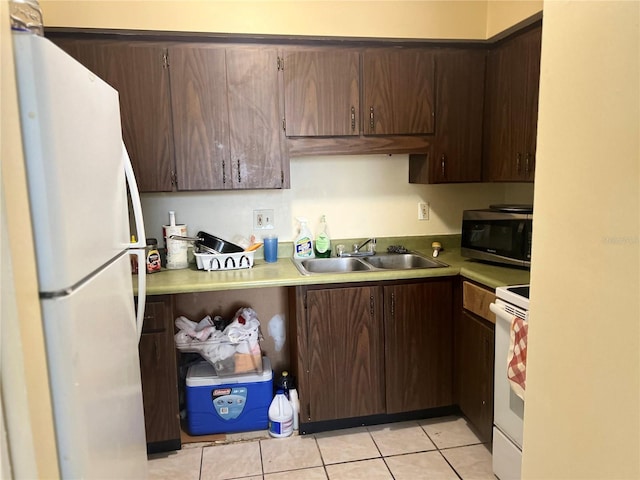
423	211
263	219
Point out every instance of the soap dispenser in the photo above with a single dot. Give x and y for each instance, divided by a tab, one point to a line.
323	243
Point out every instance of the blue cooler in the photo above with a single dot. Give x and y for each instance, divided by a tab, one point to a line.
227	404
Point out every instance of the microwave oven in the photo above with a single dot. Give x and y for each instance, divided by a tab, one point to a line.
499	234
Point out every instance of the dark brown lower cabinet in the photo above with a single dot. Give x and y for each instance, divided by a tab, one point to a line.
418	345
373	349
474	365
344	353
159	376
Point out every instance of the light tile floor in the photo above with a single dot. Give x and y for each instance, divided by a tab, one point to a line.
441	448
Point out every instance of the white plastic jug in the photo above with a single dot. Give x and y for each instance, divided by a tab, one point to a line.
295	405
280	416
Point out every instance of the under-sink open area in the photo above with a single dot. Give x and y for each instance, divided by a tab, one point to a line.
389	261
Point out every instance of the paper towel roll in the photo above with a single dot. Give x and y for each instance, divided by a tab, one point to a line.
176	249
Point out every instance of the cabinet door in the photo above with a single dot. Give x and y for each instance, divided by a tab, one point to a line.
459	106
499	134
321	89
533	45
138	71
345	353
200	117
474	351
513	75
159	376
418	345
398	88
254	118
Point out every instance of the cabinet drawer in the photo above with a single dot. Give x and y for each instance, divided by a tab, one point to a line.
477	299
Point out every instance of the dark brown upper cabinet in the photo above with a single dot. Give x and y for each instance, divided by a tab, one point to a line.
398	89
226	122
511	113
255	113
139	72
200	117
322	92
456	151
195	116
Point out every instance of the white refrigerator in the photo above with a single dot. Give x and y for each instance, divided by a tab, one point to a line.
78	173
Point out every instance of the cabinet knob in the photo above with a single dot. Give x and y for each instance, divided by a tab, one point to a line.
224	174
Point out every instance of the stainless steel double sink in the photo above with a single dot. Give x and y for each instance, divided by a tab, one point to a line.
378	262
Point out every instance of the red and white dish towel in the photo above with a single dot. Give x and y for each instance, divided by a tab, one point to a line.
517	359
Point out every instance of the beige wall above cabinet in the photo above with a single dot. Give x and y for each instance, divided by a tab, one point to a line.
511	112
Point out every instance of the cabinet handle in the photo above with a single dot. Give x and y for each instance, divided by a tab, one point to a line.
224	174
156	351
393	304
518	159
527	158
372	124
371	305
239	176
443	162
353	119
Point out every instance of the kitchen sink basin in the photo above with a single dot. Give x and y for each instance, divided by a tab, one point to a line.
392	261
402	261
331	265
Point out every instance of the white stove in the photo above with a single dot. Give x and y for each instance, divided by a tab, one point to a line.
508	410
517	295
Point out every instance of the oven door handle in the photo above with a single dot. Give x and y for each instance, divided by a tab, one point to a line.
496	309
501	313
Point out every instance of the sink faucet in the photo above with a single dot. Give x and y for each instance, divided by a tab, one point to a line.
356	249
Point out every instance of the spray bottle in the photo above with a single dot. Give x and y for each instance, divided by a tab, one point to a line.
303	244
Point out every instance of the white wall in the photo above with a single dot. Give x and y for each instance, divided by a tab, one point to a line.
361	196
582	407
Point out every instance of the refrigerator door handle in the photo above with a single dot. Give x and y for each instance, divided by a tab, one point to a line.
142	287
135	200
137	248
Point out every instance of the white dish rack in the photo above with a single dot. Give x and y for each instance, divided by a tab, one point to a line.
224	261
